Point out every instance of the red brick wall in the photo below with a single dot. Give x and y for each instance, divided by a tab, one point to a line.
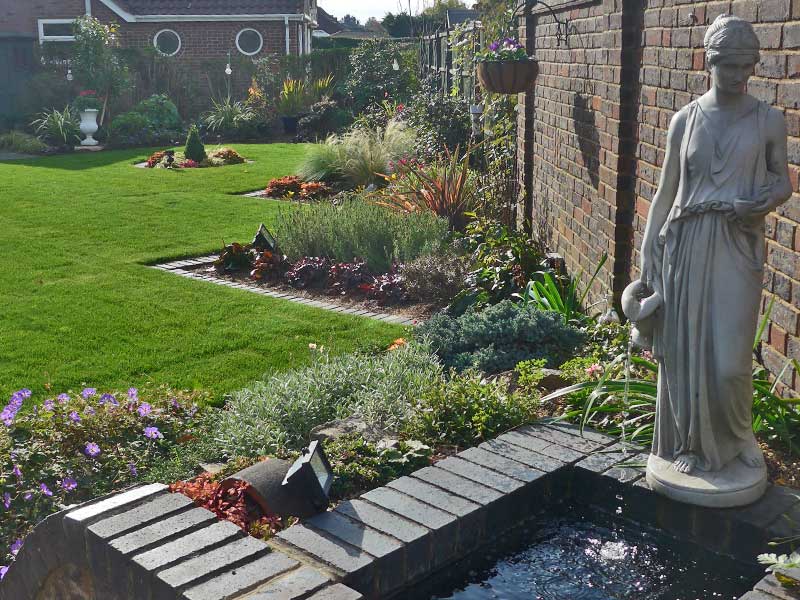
20	16
572	126
576	118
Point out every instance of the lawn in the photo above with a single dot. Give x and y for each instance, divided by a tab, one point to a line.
80	306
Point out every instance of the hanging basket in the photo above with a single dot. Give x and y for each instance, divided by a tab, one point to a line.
508	77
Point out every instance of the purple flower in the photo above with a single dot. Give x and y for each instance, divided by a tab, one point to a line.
17	471
69	484
175	404
109	399
3	571
11	409
45	490
494	46
144	409
27	496
25	393
89	411
133	394
132	469
74	417
92	450
7	500
152	433
16	547
62	398
88	393
49	405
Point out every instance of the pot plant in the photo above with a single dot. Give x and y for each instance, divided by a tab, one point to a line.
291	104
506	68
88	106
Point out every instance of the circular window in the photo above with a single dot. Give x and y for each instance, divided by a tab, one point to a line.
167	42
249	42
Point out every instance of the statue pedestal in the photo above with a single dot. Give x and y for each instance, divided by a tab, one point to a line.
735	485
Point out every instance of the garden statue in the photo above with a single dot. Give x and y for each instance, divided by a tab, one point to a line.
702	261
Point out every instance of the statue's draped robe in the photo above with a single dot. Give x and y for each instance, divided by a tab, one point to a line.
711	269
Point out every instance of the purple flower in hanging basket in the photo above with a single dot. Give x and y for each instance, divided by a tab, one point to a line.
69	484
45	490
16	547
7	500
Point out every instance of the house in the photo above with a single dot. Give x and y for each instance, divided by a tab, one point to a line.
189	29
193	32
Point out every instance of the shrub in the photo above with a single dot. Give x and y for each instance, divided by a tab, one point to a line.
16	141
195	150
314	190
293	98
86	100
441	122
224	156
504	262
448	190
79	446
323	118
372	76
307	272
281	410
355	228
160	112
135	129
359	156
228	116
467	409
499	337
58	128
359	465
280	187
435	278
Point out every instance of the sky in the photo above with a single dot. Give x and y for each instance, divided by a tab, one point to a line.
364	9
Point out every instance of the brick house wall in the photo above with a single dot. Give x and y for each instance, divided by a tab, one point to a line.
204	44
594	128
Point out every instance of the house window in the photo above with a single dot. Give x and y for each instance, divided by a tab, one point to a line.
249	42
56	30
167	42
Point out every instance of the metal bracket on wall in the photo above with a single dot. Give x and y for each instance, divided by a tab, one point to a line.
562	31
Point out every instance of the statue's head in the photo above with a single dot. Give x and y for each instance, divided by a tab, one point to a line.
732	51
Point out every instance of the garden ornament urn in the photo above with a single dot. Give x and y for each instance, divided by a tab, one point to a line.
89	126
640	304
703	253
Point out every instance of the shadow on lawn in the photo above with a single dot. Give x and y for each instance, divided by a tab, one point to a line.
81	161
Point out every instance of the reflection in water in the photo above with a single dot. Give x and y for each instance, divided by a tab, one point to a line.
586	555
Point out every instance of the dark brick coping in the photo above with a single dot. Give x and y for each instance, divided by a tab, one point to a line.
185	268
401	534
146	543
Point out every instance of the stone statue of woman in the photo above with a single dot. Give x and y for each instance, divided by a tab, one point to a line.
703	258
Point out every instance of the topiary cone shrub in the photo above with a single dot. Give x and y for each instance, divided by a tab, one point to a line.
195	150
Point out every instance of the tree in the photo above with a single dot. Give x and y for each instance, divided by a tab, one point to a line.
96	62
438	12
350	21
402	25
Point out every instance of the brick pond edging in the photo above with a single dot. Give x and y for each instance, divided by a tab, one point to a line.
187	268
153	545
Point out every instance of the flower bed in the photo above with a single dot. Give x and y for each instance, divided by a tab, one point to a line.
171	159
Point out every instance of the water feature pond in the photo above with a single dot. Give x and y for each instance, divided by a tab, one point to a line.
578	552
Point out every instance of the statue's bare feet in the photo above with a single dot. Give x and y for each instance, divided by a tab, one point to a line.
685	463
752	455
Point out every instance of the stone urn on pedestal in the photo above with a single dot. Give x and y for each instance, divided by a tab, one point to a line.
89	126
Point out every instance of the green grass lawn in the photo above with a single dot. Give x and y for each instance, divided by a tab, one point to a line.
79	307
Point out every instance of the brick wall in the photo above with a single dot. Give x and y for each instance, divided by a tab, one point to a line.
595	129
20	16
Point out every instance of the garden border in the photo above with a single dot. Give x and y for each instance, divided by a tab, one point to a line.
178	268
386	541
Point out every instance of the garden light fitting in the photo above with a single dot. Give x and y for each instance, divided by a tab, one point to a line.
284	490
69	75
562	31
396	65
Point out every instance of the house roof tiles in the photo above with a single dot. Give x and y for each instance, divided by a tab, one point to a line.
211	7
